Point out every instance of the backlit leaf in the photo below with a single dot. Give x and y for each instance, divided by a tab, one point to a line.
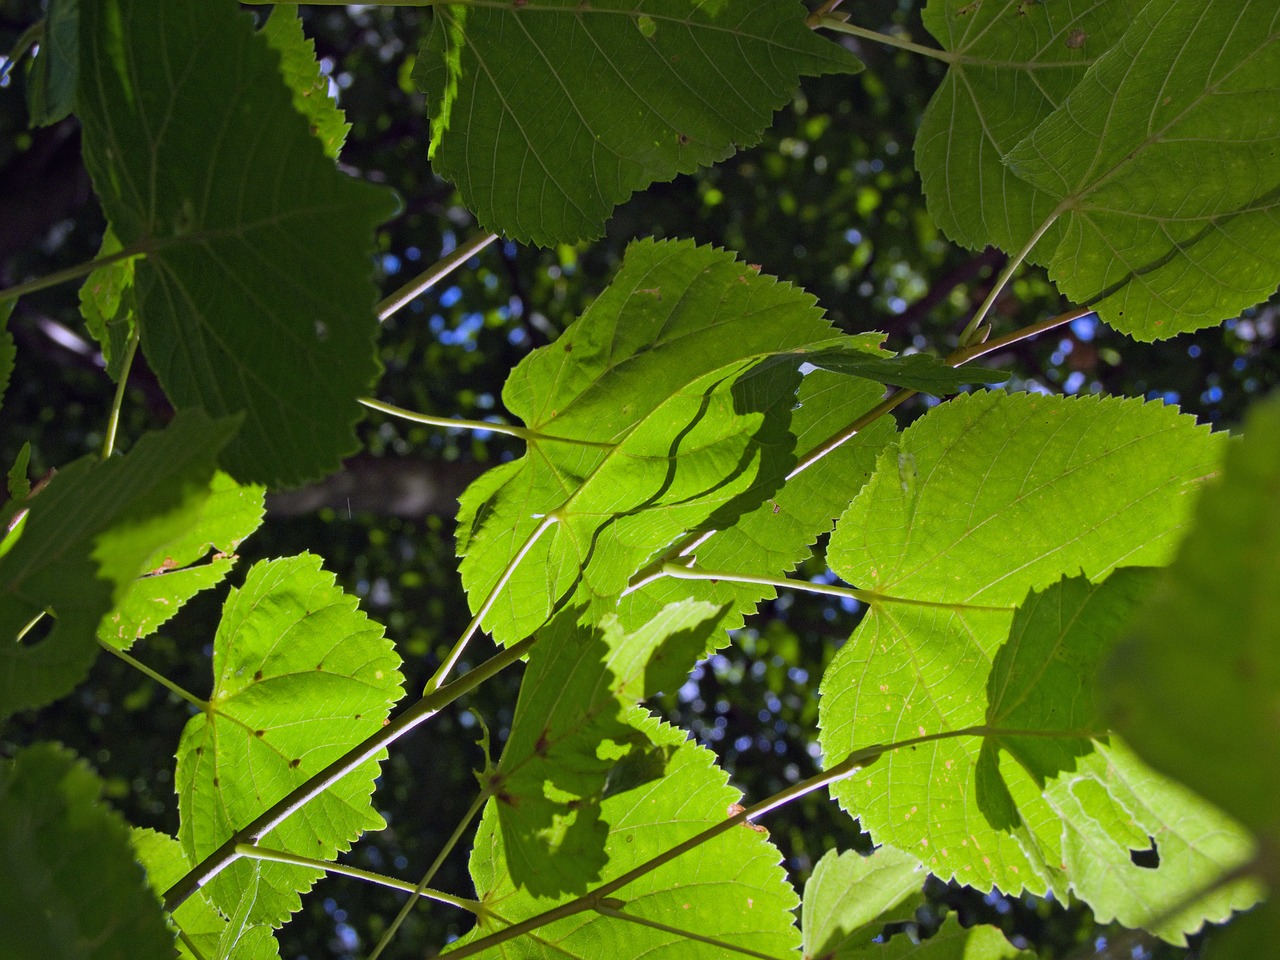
951	942
300	677
1162	162
571	730
172	575
776	536
742	895
1069	483
1014	62
548	116
107	305
671	402
301	72
256	291
88	535
848	894
57	837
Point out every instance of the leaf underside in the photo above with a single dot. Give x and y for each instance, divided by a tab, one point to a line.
548	116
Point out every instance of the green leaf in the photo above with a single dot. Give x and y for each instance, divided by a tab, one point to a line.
51	87
664	409
301	72
917	371
548	116
227	516
256	291
571	729
162	857
984	499
57	839
730	888
993	494
1195	686
300	677
775	537
951	942
1013	62
17	481
848	893
107	304
1162	163
88	534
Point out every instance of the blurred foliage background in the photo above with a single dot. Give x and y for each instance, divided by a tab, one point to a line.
828	200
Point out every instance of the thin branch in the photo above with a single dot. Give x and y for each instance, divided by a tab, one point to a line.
841	26
473	627
253	852
117	402
522	433
159	678
273	816
606	910
602	895
968	334
679	571
437	271
479	908
71	273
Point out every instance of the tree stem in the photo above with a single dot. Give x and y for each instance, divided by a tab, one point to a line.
841	26
70	273
159	678
971	328
117	402
476	907
680	571
523	433
253	852
473	627
605	910
443	267
295	799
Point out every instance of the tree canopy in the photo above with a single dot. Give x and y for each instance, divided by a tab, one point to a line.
529	457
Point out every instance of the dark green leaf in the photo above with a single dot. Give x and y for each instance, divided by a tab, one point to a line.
1195	687
1162	163
87	536
70	887
1014	62
300	677
51	87
918	371
571	729
548	116
256	293
742	894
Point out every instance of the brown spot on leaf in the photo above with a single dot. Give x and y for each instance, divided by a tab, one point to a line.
295	763
257	675
1076	40
259	733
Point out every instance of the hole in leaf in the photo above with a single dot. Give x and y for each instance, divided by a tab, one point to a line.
1149	858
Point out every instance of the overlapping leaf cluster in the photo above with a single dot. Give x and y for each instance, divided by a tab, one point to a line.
1003	541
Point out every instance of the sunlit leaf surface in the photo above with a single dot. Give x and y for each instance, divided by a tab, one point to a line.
300	677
